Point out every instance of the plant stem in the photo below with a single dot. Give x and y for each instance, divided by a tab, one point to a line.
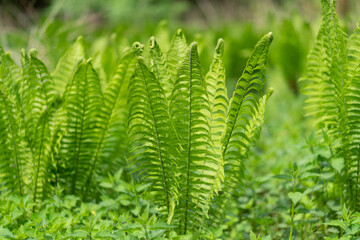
292	220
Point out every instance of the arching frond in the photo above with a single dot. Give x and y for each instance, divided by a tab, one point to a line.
150	129
159	65
219	103
174	56
38	103
352	95
82	107
66	66
112	141
215	81
12	155
326	74
241	121
190	109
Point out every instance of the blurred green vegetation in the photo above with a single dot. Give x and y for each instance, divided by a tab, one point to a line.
109	26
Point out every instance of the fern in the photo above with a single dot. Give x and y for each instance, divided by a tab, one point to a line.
330	83
181	147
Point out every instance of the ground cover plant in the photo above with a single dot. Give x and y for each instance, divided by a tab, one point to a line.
112	135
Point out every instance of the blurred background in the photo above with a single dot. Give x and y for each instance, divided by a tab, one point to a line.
108	26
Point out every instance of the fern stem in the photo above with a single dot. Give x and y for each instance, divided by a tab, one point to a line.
189	145
292	220
357	181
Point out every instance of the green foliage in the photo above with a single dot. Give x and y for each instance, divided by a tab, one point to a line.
63	131
331	85
184	136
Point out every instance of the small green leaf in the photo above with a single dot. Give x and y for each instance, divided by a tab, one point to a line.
79	233
295	196
337	164
252	235
336	223
106	185
4	232
105	234
267	237
283	176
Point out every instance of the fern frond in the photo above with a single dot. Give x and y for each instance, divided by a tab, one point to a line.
353	119
66	66
159	65
253	130
190	109
353	50
331	85
242	121
12	154
82	107
37	91
150	129
174	55
112	143
38	101
326	75
11	75
215	81
219	103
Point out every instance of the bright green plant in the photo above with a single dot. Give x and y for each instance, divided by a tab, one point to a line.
61	128
188	141
331	83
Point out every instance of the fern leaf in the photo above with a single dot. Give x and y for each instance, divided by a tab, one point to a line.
219	103
11	74
353	118
174	55
82	107
330	83
150	127
67	65
353	50
243	111
326	74
215	80
38	97
112	141
190	109
12	154
159	65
